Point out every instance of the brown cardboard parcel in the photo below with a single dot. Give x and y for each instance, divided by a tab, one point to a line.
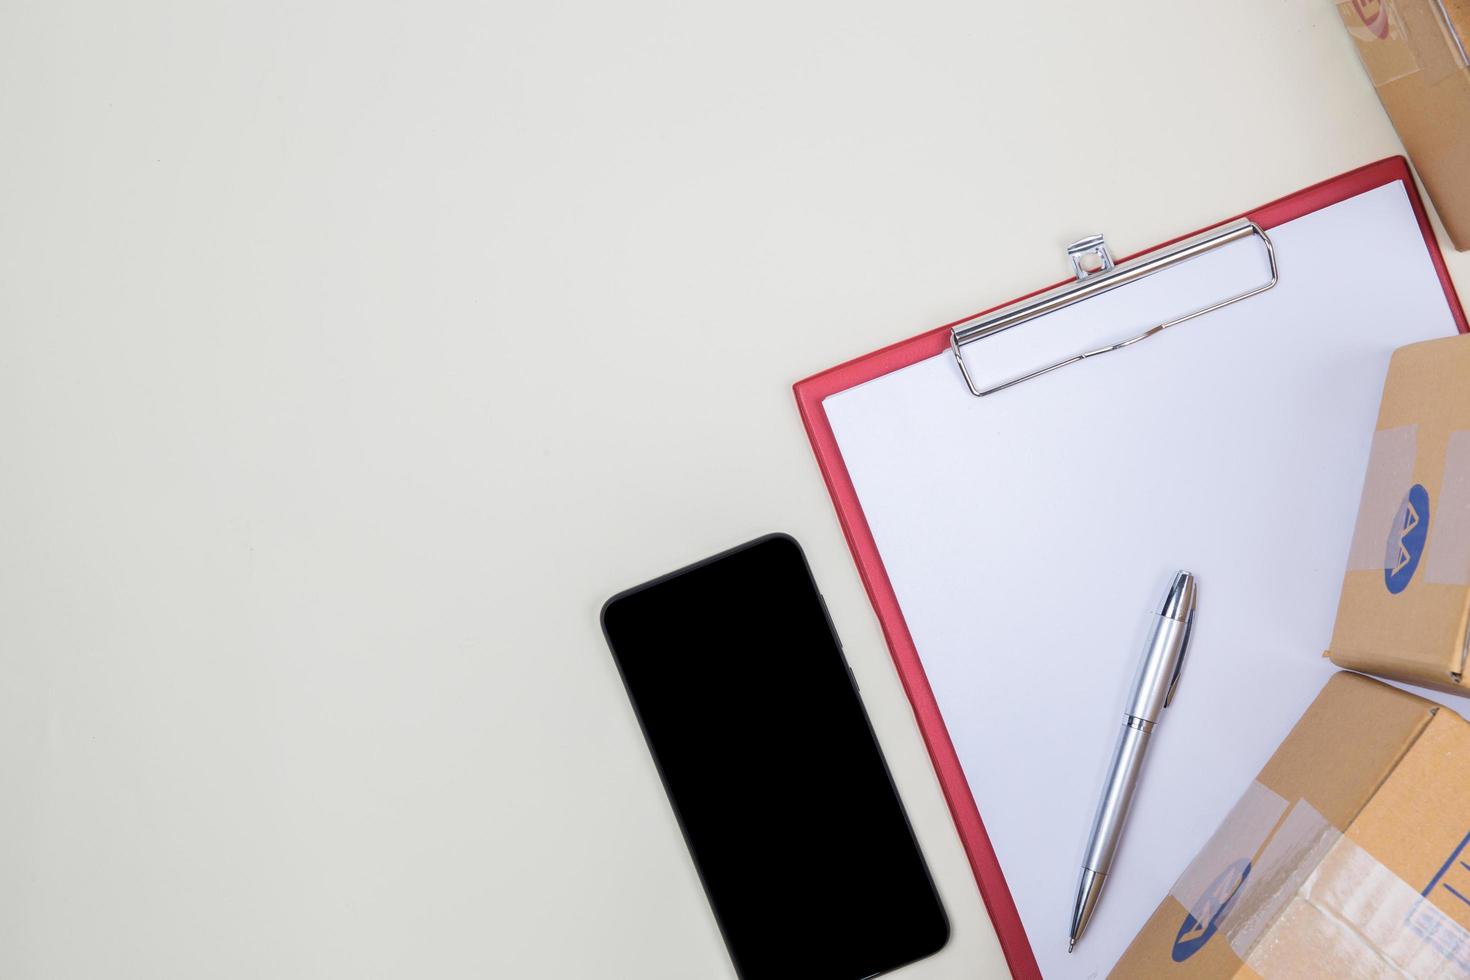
1347	857
1405	606
1415	54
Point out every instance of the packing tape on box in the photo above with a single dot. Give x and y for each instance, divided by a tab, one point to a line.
1278	873
1352	917
1390	472
1311	902
1388	509
1239	836
1397	39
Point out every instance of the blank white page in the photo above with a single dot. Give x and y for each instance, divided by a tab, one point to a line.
1028	534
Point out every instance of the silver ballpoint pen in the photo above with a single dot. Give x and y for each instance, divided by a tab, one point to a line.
1153	690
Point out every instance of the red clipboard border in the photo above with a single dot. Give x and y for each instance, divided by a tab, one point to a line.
809	395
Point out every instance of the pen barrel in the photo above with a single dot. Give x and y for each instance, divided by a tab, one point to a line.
1157	670
1112	809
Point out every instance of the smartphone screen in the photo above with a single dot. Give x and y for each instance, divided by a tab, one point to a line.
771	765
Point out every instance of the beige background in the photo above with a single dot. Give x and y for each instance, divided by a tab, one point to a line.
353	353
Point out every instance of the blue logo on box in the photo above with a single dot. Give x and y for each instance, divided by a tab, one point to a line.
1202	921
1406	539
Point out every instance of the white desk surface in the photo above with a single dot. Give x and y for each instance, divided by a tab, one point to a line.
352	354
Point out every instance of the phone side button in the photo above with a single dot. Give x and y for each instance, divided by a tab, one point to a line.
832	626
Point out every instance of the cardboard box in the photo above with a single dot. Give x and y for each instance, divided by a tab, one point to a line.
1405	606
1415	53
1347	857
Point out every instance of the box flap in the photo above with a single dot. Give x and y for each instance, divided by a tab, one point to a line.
1418	823
1343	748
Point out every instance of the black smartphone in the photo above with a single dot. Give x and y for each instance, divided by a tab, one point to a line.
771	765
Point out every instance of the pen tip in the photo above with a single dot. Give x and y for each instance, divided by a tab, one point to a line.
1070	944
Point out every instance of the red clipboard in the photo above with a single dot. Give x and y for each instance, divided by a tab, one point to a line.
809	396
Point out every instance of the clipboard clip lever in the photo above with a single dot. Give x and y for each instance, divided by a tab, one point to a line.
1095	272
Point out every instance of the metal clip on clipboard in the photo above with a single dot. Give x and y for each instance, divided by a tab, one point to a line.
1096	273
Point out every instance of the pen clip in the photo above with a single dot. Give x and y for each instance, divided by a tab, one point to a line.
1179	663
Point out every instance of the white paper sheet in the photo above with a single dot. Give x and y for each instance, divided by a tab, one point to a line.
1028	534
